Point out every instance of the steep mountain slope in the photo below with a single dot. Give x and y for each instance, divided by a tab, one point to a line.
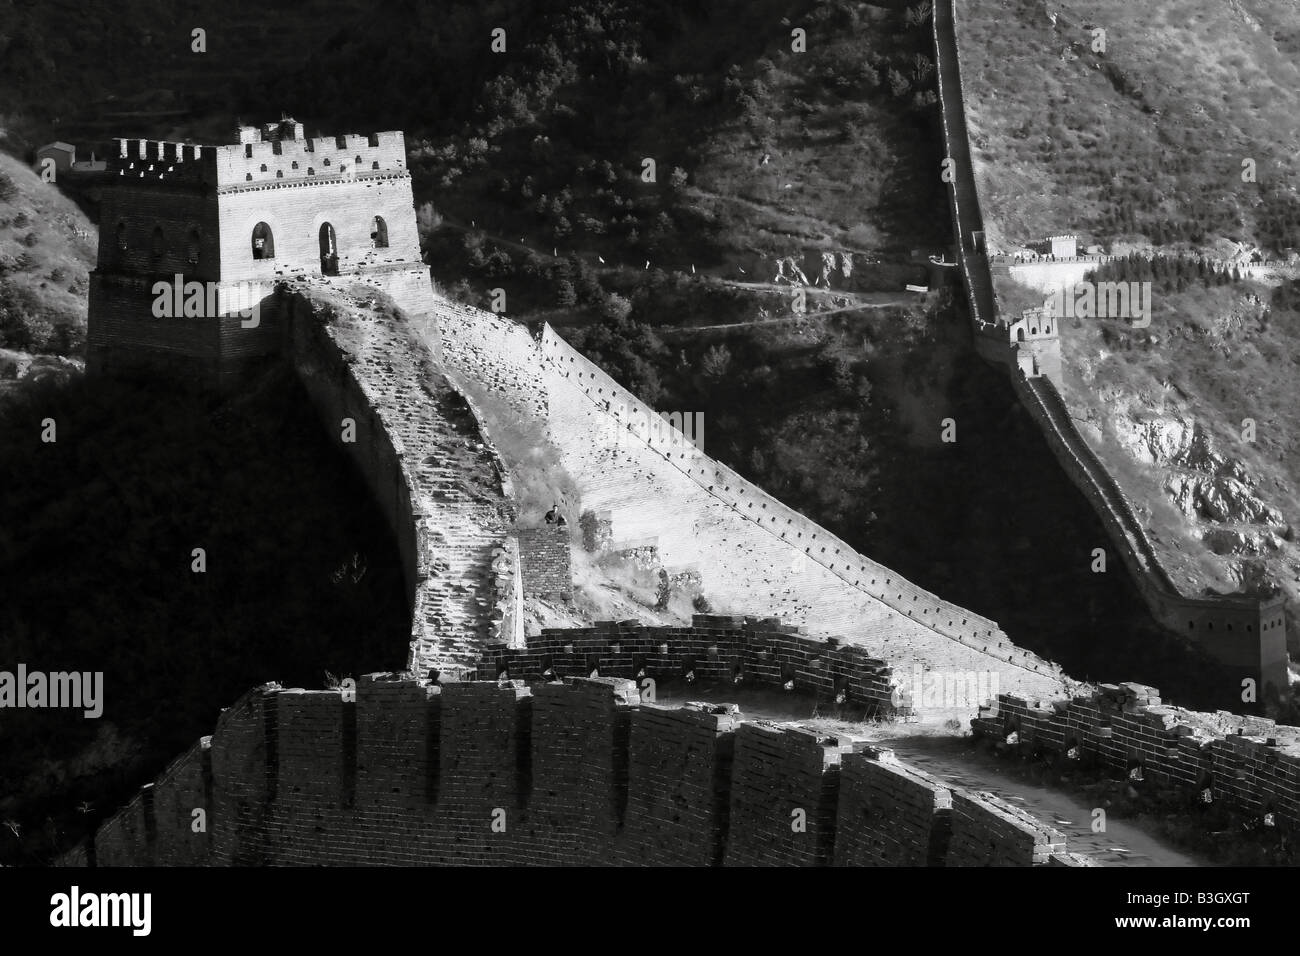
47	248
1132	121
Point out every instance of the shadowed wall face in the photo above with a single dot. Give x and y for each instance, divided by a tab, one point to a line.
396	771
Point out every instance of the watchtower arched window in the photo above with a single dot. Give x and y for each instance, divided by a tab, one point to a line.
375	164
159	244
248	177
311	171
263	167
329	254
279	174
373	139
263	242
327	161
121	236
340	142
295	164
357	160
379	233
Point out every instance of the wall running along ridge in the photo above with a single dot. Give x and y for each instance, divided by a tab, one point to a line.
1247	634
412	773
754	555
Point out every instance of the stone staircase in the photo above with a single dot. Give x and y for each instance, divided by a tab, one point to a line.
452	475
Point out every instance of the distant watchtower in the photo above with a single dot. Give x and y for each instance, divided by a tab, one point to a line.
238	218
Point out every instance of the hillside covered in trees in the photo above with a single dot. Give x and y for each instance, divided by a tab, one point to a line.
1166	123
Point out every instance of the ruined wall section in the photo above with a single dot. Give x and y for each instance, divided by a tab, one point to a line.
574	773
545	562
419	447
1251	763
890	814
714	648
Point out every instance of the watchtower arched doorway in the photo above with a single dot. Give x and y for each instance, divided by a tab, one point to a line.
379	233
329	251
263	242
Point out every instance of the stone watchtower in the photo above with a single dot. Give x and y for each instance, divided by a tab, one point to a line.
1036	343
237	219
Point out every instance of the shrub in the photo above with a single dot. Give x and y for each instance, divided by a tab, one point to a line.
565	295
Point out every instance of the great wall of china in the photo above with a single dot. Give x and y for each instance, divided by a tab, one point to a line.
1247	634
409	773
460	761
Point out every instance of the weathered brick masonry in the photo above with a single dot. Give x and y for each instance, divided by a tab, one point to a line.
403	772
1251	763
716	647
545	562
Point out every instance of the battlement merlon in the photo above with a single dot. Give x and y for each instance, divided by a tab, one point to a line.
141	161
273	158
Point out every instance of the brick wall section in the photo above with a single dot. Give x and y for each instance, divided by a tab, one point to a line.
583	774
484	767
315	773
432	472
242	781
782	776
398	725
1249	762
715	647
122	840
679	779
183	788
579	785
890	814
988	831
545	562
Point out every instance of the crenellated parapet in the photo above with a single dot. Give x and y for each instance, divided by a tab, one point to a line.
401	771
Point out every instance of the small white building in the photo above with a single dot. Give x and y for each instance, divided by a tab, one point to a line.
1063	247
